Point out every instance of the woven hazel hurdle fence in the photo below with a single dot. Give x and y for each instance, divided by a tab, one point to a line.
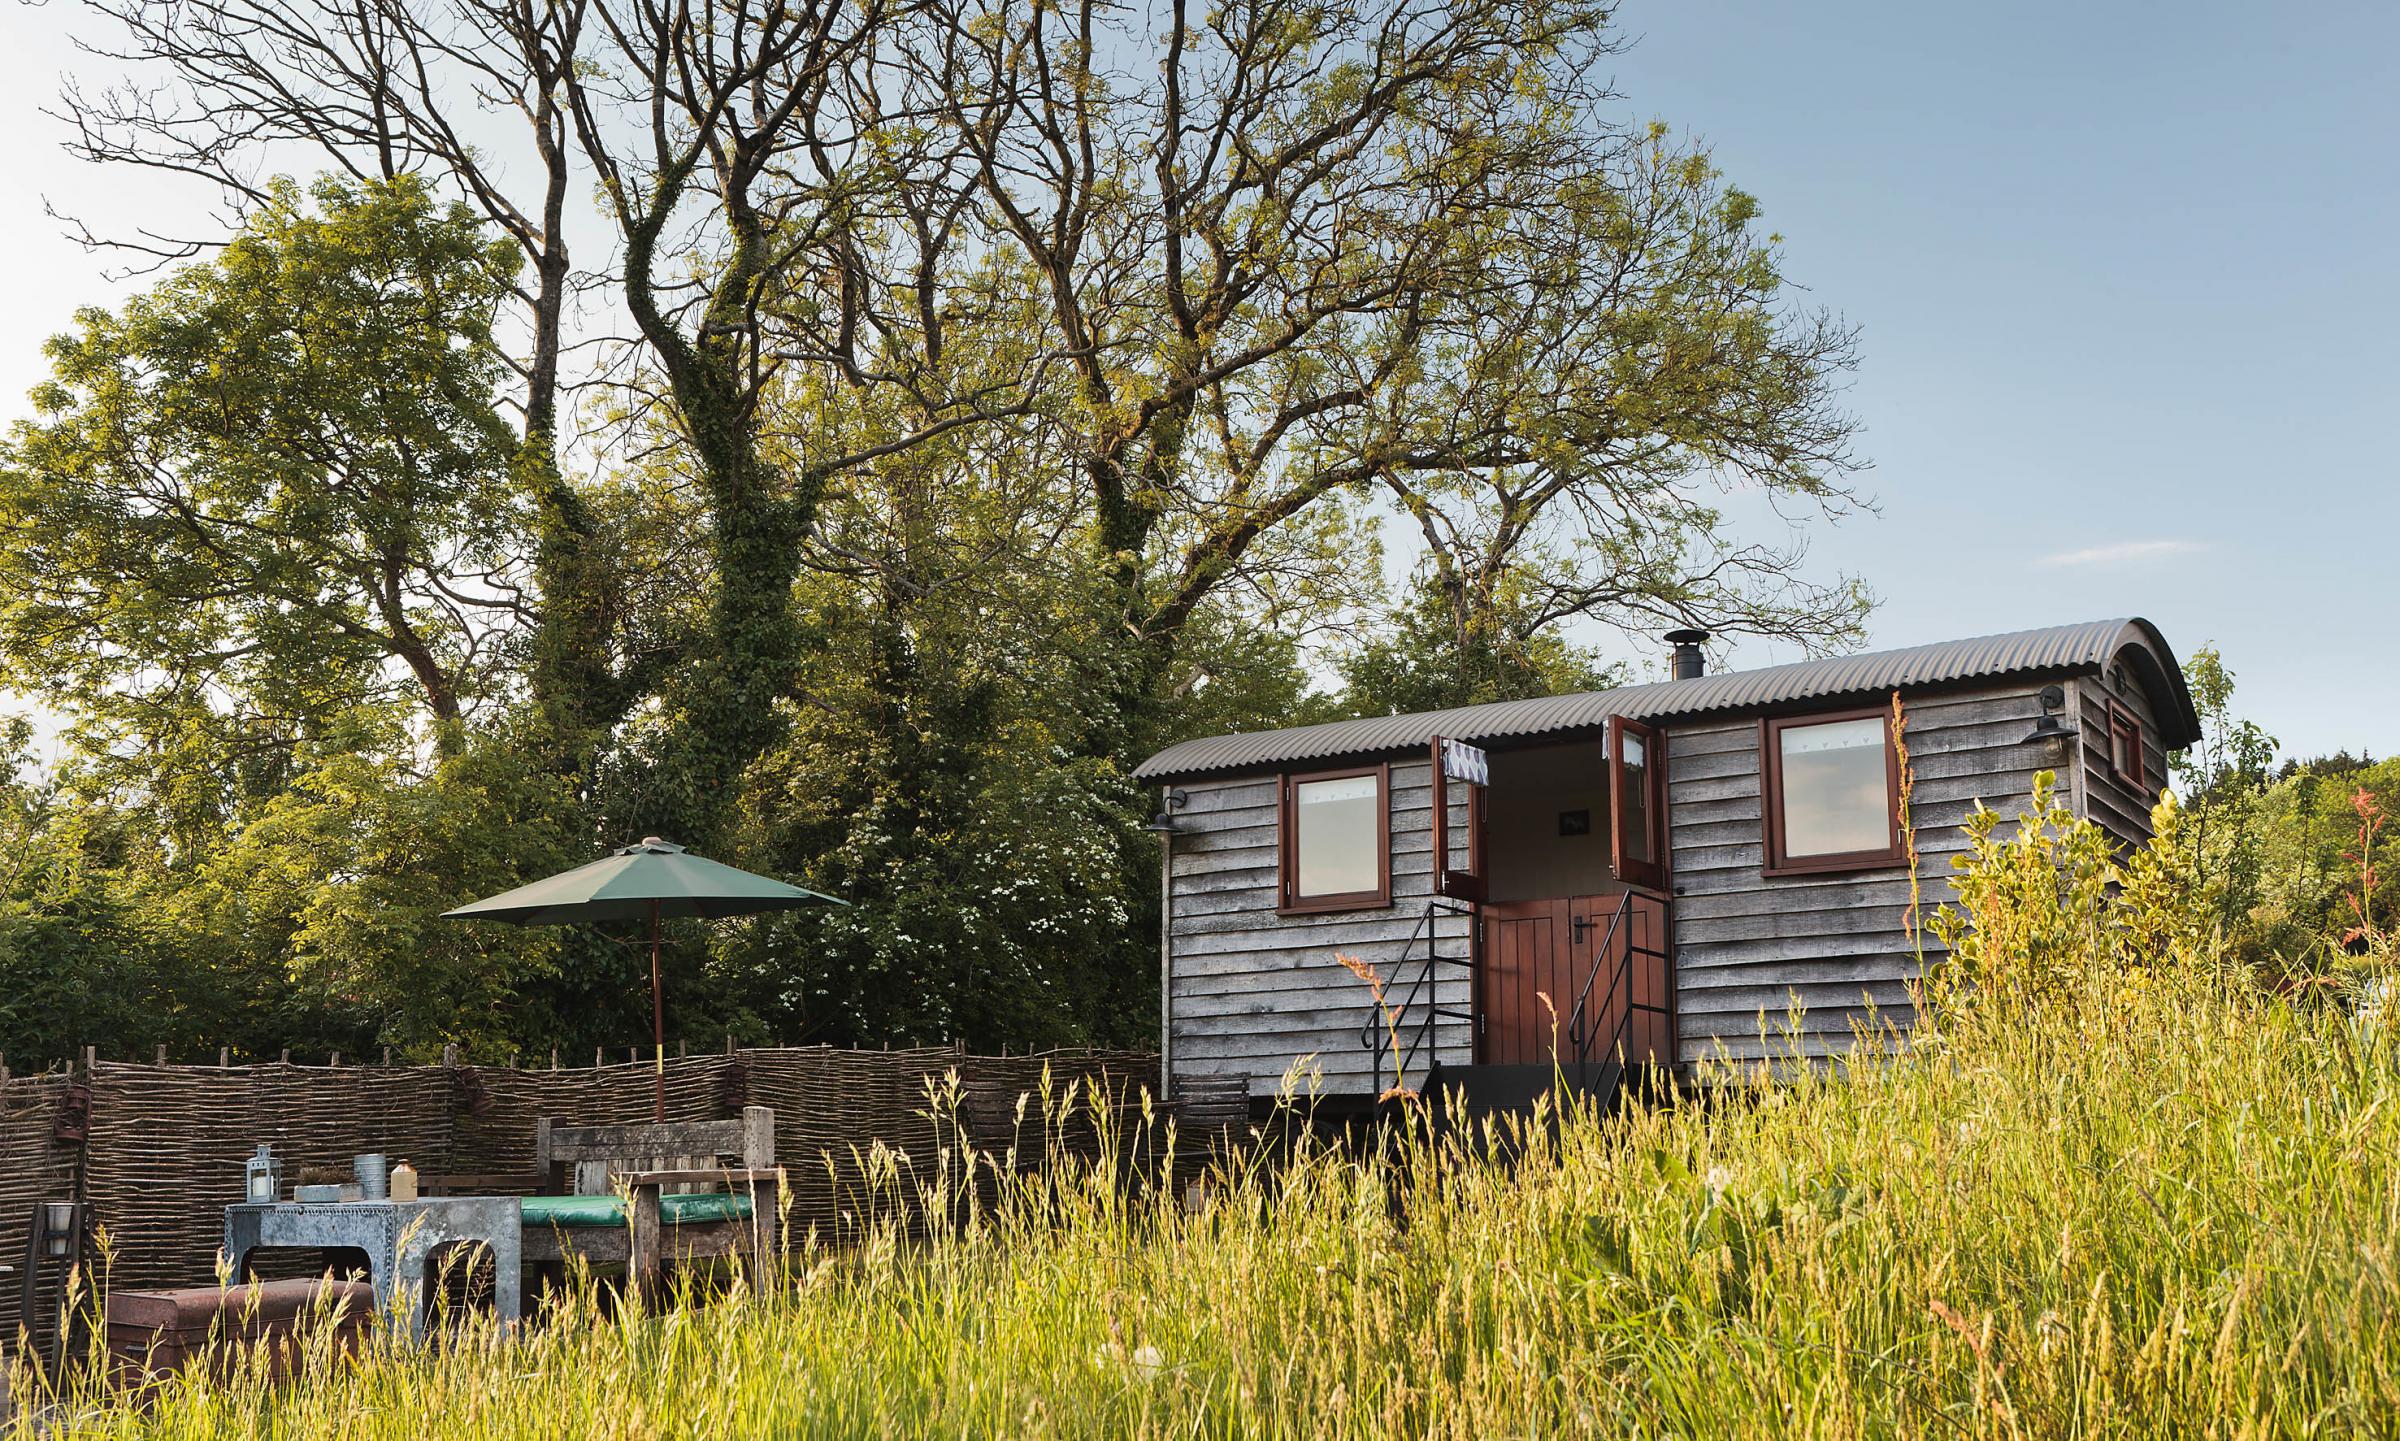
157	1150
36	1165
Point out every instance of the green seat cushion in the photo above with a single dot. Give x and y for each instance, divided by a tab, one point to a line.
609	1211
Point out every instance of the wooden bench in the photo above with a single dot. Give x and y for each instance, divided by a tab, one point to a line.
654	1193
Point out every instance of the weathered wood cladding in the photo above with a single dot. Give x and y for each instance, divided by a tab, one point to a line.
2106	800
1253	991
1772	965
1763	965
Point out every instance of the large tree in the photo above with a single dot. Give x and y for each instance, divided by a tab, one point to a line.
257	550
273	489
470	95
762	211
1302	253
948	399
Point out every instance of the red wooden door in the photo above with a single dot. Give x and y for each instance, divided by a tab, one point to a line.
1524	960
1539	957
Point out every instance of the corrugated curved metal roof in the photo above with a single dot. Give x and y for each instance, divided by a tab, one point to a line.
2055	650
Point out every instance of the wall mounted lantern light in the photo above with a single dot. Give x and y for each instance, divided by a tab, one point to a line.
2048	733
1164	822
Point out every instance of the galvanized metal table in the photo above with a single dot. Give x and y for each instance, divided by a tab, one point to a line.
400	1238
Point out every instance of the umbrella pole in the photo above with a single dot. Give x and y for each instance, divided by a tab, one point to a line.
658	1026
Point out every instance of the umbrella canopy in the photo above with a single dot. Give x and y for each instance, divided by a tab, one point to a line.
626	885
650	881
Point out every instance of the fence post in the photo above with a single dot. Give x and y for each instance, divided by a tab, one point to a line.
224	1057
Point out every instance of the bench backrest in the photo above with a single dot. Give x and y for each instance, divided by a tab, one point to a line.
580	1159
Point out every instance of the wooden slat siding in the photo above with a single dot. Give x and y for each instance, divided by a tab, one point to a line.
1745	944
2107	802
1252	991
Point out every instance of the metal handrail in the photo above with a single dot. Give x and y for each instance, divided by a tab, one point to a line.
1583	996
1386	1020
1621	986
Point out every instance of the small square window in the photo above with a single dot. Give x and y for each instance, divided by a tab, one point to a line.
1336	840
1832	793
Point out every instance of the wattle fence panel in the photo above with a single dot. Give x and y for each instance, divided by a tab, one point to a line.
157	1150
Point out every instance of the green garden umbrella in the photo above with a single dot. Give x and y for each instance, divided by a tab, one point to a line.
653	879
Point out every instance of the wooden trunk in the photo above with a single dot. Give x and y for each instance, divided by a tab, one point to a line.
153	1333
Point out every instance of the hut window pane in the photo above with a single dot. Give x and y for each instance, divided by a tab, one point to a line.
1830	793
2125	749
1335	843
1636	828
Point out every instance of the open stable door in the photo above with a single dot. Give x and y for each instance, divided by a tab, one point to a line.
1637	804
1458	870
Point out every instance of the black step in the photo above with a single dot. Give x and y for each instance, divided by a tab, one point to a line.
1474	1091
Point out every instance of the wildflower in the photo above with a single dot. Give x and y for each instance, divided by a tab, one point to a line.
1148	1361
1719	1179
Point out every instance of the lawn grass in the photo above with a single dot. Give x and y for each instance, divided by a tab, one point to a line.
2146	1209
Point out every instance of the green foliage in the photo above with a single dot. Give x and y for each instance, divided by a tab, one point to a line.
936	783
1435	657
2044	910
73	961
342	877
2310	846
261	496
2225	778
2283	859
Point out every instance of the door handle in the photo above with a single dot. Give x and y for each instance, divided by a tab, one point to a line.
1582	924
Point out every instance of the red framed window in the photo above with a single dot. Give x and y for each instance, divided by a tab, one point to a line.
1832	793
1334	840
2126	760
1459	882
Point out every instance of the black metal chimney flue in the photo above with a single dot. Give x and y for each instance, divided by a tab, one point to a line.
1690	664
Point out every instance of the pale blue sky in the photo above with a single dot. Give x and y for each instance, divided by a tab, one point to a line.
2124	275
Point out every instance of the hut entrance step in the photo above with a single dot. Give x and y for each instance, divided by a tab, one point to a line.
1470	1093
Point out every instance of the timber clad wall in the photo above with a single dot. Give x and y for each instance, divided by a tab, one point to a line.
1745	944
1253	990
2106	800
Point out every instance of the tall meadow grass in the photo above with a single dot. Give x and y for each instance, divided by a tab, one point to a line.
2140	1200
